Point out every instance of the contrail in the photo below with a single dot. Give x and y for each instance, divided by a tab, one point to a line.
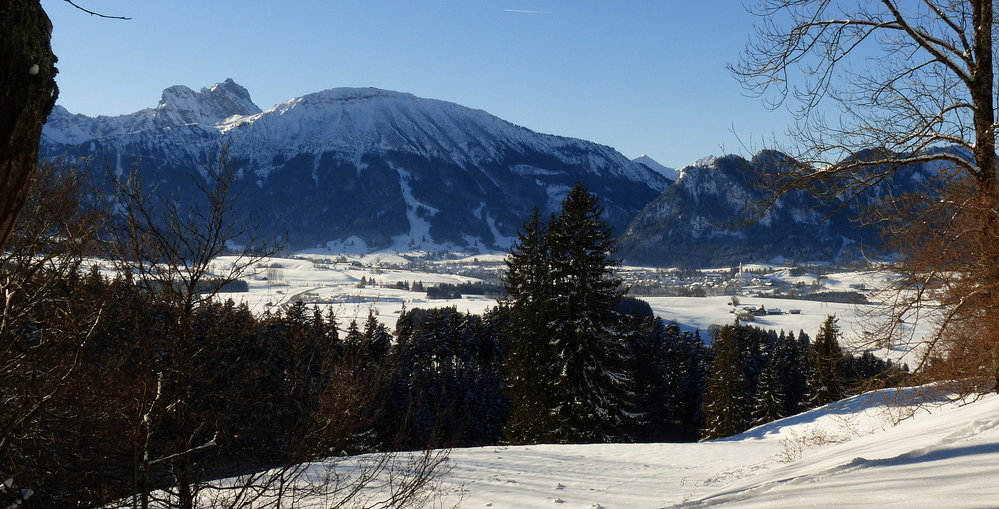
523	11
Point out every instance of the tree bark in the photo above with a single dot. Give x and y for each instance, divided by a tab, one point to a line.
28	92
982	97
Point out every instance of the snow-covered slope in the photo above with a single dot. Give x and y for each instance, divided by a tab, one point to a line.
883	449
363	120
652	164
847	454
388	169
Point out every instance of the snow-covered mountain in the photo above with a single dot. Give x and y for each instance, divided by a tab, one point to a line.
178	106
702	219
360	168
652	164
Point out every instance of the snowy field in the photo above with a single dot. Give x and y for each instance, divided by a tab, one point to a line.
847	454
278	282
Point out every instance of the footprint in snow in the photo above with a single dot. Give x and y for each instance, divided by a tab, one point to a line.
560	486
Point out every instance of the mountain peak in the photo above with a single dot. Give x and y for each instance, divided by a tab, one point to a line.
654	165
180	105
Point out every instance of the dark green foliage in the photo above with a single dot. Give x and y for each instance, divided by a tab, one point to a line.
791	357
825	382
726	400
449	291
868	372
443	291
669	370
631	306
264	392
376	339
449	383
770	403
528	364
688	362
568	374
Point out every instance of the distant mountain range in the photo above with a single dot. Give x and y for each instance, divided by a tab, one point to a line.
363	169
702	219
360	169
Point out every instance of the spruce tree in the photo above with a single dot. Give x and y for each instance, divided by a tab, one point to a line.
825	356
648	349
792	357
770	403
594	388
568	375
686	367
725	401
530	367
377	339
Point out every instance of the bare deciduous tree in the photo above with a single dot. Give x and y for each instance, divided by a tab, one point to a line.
170	247
876	86
44	327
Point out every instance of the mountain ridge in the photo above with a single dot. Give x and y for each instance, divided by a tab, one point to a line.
390	169
711	215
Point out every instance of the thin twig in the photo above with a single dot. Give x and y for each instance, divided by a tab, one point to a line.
92	13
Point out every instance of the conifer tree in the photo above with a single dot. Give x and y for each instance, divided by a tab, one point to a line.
530	371
354	336
648	349
687	363
594	393
825	356
376	337
568	375
792	356
725	401
770	403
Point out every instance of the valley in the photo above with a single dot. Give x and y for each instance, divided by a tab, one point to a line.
697	300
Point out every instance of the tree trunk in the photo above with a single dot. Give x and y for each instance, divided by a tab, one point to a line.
27	94
982	98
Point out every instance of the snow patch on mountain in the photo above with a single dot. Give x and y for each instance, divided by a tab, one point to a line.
416	212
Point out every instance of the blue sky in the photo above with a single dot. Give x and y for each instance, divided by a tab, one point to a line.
640	76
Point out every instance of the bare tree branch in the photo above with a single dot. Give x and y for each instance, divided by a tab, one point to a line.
92	13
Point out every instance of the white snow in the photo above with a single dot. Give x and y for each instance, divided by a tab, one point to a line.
419	227
670	173
316	278
847	454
